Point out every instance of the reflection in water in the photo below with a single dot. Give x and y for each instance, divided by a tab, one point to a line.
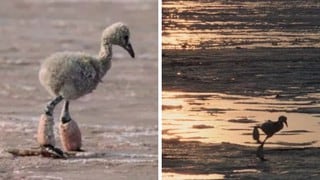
239	24
176	176
217	118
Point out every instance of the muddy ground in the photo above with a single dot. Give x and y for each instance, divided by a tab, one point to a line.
118	120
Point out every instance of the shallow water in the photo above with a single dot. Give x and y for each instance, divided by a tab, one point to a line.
229	65
217	96
217	118
198	24
173	176
105	148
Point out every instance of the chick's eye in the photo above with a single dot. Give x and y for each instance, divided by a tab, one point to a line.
126	38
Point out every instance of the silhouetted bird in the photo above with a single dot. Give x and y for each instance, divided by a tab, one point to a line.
269	128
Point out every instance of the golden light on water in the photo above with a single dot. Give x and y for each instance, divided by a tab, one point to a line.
217	118
262	49
176	176
216	25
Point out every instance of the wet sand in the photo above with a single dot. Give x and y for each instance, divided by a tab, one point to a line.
118	120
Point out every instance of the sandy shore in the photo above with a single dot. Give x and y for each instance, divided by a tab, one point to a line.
118	121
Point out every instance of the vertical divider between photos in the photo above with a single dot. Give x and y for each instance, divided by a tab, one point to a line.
159	89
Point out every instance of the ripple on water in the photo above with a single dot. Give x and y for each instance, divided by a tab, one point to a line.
238	24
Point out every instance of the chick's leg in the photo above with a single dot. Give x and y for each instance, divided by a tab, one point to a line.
70	134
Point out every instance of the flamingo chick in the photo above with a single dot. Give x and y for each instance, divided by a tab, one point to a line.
269	128
70	75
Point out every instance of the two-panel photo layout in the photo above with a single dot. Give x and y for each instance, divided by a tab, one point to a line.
159	89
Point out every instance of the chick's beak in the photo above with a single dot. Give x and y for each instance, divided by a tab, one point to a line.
129	49
286	123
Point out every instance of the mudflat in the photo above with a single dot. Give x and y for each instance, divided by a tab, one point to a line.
228	66
118	120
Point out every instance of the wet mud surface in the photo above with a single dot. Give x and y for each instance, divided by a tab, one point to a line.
118	120
229	66
230	161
